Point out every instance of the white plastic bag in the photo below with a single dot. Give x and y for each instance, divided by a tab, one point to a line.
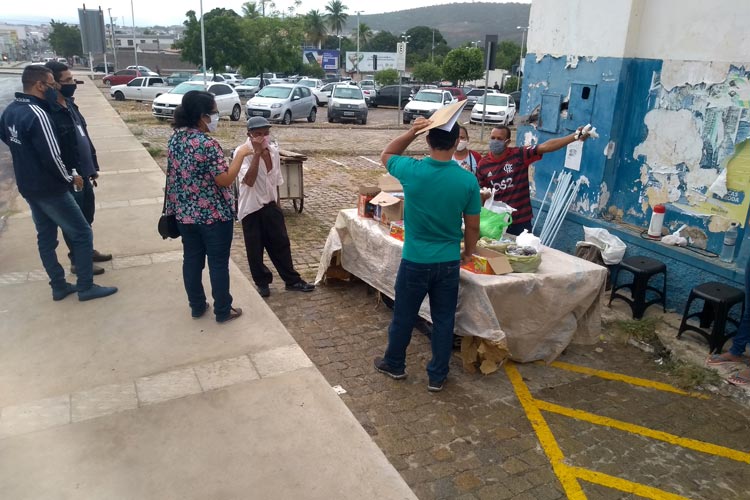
527	239
612	247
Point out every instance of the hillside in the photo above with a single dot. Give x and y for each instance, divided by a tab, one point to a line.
458	22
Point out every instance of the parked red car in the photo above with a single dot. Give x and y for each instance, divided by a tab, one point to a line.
121	77
456	92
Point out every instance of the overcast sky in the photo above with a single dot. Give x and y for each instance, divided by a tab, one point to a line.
168	12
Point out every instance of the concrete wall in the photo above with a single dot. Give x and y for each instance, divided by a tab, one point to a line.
666	86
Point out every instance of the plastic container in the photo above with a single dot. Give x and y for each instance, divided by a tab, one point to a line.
657	221
77	189
730	242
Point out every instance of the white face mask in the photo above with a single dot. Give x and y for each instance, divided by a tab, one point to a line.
462	145
214	122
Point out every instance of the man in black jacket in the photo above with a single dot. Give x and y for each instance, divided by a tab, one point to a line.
76	149
43	180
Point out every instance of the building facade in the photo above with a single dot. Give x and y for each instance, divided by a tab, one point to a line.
667	85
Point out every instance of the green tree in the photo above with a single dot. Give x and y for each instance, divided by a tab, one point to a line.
383	41
315	26
426	72
463	64
386	77
272	44
65	40
510	84
508	54
420	44
225	44
336	15
312	70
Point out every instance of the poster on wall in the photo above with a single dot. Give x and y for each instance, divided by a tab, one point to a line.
326	59
573	155
369	62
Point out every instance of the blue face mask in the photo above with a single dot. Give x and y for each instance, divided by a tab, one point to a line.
497	146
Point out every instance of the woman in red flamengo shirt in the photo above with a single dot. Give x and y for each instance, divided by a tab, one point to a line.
506	169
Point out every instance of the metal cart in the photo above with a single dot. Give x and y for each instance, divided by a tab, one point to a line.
294	186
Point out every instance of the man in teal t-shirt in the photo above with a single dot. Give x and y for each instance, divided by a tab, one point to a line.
438	196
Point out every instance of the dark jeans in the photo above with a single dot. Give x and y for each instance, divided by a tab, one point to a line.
63	212
516	229
86	202
413	282
742	339
198	242
266	230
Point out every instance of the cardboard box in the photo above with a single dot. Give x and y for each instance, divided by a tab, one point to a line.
487	261
390	184
366	194
388	208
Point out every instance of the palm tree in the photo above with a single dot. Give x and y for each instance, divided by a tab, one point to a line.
250	9
365	34
316	27
336	15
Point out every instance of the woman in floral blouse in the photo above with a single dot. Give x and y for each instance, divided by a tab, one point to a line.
198	194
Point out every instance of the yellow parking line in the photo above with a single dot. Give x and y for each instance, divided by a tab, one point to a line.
623	485
641	382
546	438
693	444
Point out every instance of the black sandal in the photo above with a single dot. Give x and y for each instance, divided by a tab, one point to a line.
234	313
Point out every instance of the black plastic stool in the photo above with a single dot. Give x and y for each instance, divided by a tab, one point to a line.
642	269
718	300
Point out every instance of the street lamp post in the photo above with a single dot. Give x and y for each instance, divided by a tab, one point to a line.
203	50
340	36
432	53
359	77
135	46
523	29
112	37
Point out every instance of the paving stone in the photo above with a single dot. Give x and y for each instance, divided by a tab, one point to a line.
166	386
225	372
280	360
104	400
34	416
467	481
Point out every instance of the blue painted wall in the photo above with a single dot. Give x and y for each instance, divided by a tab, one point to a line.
625	91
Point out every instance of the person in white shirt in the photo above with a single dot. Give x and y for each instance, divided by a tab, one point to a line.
262	220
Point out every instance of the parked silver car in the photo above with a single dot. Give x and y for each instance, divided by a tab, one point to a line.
283	102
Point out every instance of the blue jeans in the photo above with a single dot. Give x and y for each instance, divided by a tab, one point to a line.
62	211
742	339
413	282
198	242
86	201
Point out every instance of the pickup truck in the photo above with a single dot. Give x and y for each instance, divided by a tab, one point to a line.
143	88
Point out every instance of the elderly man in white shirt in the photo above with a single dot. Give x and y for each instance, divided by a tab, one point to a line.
262	220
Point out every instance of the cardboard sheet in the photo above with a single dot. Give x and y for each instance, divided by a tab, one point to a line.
535	316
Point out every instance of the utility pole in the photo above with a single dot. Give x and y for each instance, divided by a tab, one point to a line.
520	60
112	37
135	45
432	54
203	49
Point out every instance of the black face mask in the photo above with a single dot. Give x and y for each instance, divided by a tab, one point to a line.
50	95
67	90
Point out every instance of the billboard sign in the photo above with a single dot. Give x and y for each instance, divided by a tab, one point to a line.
326	59
368	62
91	23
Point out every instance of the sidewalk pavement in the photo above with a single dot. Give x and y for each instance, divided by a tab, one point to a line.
128	397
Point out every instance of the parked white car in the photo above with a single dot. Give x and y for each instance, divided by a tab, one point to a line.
475	94
232	79
315	85
144	70
143	88
501	109
283	102
426	102
208	78
227	100
347	102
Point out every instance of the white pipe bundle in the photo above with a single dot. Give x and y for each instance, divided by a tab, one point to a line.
562	198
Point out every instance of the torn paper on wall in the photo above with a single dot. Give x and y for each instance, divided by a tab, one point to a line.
719	186
571	62
573	154
678	73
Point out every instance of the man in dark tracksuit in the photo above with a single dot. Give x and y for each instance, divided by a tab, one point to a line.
76	149
43	180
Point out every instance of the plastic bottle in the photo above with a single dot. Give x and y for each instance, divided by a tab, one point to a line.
730	241
657	221
77	189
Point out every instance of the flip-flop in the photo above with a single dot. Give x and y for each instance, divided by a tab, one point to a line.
717	360
738	380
